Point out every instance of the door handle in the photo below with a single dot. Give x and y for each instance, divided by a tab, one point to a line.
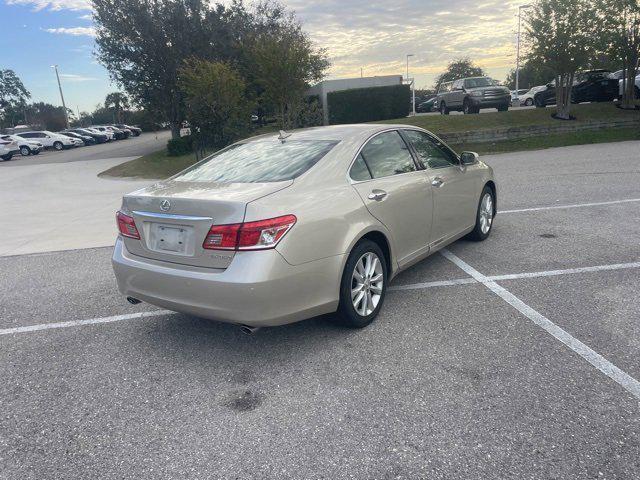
377	195
437	182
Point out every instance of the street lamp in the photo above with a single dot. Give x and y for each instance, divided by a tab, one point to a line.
64	106
413	87
520	8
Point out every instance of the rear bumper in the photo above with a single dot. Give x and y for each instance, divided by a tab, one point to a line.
258	289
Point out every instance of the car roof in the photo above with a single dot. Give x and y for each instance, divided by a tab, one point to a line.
332	132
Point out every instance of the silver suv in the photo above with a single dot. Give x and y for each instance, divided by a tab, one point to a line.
469	95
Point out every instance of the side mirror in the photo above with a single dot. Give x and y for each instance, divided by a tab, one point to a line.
468	158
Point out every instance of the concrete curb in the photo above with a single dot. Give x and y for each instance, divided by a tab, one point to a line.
516	133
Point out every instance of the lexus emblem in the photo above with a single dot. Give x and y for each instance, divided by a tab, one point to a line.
165	205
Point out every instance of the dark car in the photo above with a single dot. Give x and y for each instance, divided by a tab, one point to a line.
88	140
98	137
135	131
117	133
426	106
592	86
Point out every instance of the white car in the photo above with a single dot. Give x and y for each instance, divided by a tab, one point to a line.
49	139
527	98
618	76
103	131
8	148
27	147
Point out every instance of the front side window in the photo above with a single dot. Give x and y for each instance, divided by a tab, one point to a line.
386	154
259	161
432	154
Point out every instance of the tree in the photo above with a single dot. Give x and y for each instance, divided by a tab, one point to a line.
285	63
118	102
216	104
532	74
46	116
143	45
461	68
13	98
561	36
621	37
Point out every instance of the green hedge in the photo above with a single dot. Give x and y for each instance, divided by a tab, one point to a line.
369	104
180	146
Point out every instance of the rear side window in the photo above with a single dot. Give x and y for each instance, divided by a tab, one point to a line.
386	154
431	154
259	161
359	170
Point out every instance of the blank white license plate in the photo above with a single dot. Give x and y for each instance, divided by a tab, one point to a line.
171	238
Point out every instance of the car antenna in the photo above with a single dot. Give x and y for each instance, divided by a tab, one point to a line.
283	136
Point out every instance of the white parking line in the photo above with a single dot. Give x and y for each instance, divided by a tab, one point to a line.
577	205
441	283
516	276
76	323
605	366
568	271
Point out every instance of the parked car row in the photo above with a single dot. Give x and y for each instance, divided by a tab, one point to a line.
33	142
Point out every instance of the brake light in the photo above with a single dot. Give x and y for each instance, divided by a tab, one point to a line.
127	226
258	235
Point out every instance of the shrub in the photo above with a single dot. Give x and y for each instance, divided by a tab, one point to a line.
180	146
369	104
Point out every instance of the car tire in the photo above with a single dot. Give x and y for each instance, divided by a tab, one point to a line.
484	215
443	109
469	109
25	151
537	100
58	146
35	152
503	108
528	102
6	158
358	313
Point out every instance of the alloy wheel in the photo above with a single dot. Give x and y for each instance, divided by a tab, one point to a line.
486	213
367	281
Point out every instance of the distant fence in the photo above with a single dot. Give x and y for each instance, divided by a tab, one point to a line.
518	133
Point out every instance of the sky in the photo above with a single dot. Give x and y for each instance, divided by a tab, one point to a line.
372	35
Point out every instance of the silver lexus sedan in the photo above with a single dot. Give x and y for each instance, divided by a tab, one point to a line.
283	227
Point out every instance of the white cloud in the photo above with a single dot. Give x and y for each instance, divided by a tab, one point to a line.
54	4
75	31
88	16
71	77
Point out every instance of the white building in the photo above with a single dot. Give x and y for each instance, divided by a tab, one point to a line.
327	86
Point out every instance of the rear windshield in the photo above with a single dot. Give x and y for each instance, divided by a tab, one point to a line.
259	161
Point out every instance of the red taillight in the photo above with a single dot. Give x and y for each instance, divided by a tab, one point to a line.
127	226
258	235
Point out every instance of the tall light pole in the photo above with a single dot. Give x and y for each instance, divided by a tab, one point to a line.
520	8
413	86
64	106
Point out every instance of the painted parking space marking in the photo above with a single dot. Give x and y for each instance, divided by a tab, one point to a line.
77	323
517	276
605	366
576	205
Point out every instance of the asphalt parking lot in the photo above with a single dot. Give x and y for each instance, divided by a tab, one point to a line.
512	358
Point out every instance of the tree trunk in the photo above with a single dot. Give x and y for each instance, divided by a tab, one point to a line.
629	87
564	85
175	130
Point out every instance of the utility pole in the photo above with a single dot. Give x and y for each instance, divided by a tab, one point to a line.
413	87
520	8
64	106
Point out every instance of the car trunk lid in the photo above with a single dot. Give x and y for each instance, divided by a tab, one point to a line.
173	218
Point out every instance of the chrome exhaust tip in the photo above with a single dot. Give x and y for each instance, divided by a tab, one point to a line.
133	301
247	330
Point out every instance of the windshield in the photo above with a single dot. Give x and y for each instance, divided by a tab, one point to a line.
258	161
479	82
